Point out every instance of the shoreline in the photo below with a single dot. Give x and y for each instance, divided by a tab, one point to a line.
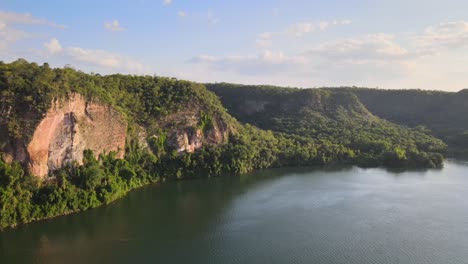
164	180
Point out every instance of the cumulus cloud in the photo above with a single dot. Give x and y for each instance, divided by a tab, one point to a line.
113	26
448	35
369	48
265	39
167	2
212	19
94	58
372	59
53	46
267	62
9	34
105	59
364	59
10	18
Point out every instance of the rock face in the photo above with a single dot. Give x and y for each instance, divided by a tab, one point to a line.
187	140
184	136
74	124
70	127
191	139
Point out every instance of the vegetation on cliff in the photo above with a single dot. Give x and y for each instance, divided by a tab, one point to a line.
331	117
299	128
442	114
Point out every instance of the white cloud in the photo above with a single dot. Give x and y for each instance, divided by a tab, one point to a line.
53	46
10	35
105	59
448	35
113	26
10	18
167	2
275	12
98	59
360	60
212	18
267	62
370	48
303	28
265	39
94	57
181	14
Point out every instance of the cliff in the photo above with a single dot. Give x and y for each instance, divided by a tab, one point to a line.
189	129
74	124
69	127
329	116
288	109
443	114
166	129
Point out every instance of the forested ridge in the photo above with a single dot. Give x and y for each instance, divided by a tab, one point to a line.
442	114
276	127
331	115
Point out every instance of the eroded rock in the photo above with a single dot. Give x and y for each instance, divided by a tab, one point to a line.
71	126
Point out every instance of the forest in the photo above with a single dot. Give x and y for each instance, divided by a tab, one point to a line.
271	127
443	114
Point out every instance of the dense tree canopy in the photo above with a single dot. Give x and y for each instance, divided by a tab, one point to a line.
279	127
331	117
443	114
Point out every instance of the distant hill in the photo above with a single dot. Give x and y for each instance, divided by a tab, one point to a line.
441	114
445	114
335	116
70	141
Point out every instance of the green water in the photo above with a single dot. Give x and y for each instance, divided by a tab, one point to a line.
307	215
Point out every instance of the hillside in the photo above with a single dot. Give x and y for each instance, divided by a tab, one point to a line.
445	114
71	141
331	116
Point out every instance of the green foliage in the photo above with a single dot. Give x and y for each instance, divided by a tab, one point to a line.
282	127
333	119
27	89
442	114
206	122
158	143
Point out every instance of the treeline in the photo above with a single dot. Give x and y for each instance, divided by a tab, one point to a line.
331	117
281	128
27	91
442	114
79	187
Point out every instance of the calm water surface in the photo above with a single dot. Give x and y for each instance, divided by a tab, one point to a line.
307	215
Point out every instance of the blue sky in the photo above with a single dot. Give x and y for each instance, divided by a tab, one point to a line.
387	44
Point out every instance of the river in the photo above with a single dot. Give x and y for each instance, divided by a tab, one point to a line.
289	215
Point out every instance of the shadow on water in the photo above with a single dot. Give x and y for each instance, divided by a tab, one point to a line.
398	171
154	219
193	205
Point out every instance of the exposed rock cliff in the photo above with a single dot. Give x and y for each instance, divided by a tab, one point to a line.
68	128
126	113
268	107
74	124
186	135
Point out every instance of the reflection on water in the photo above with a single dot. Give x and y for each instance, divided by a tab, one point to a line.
287	215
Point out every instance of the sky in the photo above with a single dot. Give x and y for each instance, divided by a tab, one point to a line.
301	43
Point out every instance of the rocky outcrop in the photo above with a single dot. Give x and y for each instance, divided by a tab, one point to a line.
186	140
68	128
75	124
191	139
218	133
185	134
